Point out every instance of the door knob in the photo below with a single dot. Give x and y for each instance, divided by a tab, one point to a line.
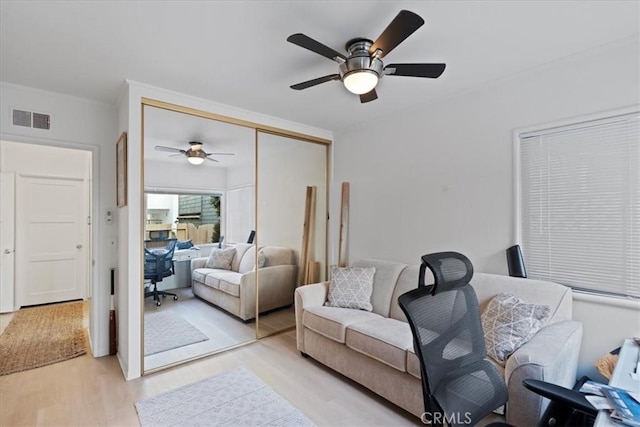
78	246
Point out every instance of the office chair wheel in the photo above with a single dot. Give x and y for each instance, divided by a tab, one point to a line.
175	297
158	303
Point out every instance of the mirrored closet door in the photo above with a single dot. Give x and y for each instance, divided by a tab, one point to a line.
292	224
199	220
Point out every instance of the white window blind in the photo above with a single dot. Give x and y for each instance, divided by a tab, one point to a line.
580	205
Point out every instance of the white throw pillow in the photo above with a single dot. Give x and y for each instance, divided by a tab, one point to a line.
351	287
220	258
508	323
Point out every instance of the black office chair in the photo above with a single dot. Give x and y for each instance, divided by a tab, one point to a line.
459	386
567	407
158	264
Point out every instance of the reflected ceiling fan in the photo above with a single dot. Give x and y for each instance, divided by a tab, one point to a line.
195	154
363	67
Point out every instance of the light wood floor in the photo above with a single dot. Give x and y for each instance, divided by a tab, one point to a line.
87	391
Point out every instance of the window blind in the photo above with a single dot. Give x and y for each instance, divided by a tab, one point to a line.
580	205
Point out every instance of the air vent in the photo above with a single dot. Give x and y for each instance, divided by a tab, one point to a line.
22	118
41	121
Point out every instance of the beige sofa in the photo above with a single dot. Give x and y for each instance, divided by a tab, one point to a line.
235	290
375	348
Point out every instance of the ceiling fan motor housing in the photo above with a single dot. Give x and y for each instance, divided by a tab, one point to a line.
360	59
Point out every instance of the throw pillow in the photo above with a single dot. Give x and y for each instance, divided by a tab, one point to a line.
508	323
220	258
351	287
184	244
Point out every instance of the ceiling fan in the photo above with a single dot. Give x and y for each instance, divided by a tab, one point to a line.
363	67
195	154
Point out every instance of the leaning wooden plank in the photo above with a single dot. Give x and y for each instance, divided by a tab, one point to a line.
344	226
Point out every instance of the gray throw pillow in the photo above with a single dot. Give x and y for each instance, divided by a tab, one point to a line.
351	287
508	323
220	258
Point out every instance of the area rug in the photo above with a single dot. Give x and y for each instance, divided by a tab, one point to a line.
39	336
166	330
232	398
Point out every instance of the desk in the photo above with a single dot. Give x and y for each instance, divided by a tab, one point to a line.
627	364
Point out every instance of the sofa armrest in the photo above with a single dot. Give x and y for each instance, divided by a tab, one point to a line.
308	296
551	356
277	284
198	262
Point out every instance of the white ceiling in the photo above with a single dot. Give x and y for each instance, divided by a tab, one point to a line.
236	53
175	130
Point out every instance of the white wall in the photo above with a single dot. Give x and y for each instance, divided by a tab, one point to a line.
88	125
130	229
440	176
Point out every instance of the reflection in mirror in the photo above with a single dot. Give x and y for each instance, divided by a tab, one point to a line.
199	212
286	169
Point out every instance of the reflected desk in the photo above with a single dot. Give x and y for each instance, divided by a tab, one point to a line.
626	375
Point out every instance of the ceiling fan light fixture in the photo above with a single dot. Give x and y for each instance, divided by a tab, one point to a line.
196	157
360	81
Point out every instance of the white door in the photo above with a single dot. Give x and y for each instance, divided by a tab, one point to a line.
7	248
52	235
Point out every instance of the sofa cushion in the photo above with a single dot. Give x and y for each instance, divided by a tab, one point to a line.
248	262
199	274
508	322
332	322
556	296
385	340
221	258
230	282
242	250
351	287
384	282
212	280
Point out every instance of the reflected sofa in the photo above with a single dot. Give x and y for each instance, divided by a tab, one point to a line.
375	348
235	290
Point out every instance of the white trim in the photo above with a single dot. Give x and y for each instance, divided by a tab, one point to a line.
175	190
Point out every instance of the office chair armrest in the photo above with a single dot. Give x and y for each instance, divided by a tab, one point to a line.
571	398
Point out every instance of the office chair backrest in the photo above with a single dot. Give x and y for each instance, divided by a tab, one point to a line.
158	234
158	261
448	341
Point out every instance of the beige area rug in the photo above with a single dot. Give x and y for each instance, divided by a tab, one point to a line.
39	336
232	398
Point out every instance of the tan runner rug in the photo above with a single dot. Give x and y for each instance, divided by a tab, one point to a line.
40	336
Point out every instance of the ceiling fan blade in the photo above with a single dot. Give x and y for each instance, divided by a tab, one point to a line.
415	70
310	83
169	149
315	46
209	158
402	26
369	96
176	155
221	154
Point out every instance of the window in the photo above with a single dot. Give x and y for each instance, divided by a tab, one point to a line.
579	212
194	217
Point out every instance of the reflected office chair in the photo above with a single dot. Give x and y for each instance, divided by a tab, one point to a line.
459	386
158	264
